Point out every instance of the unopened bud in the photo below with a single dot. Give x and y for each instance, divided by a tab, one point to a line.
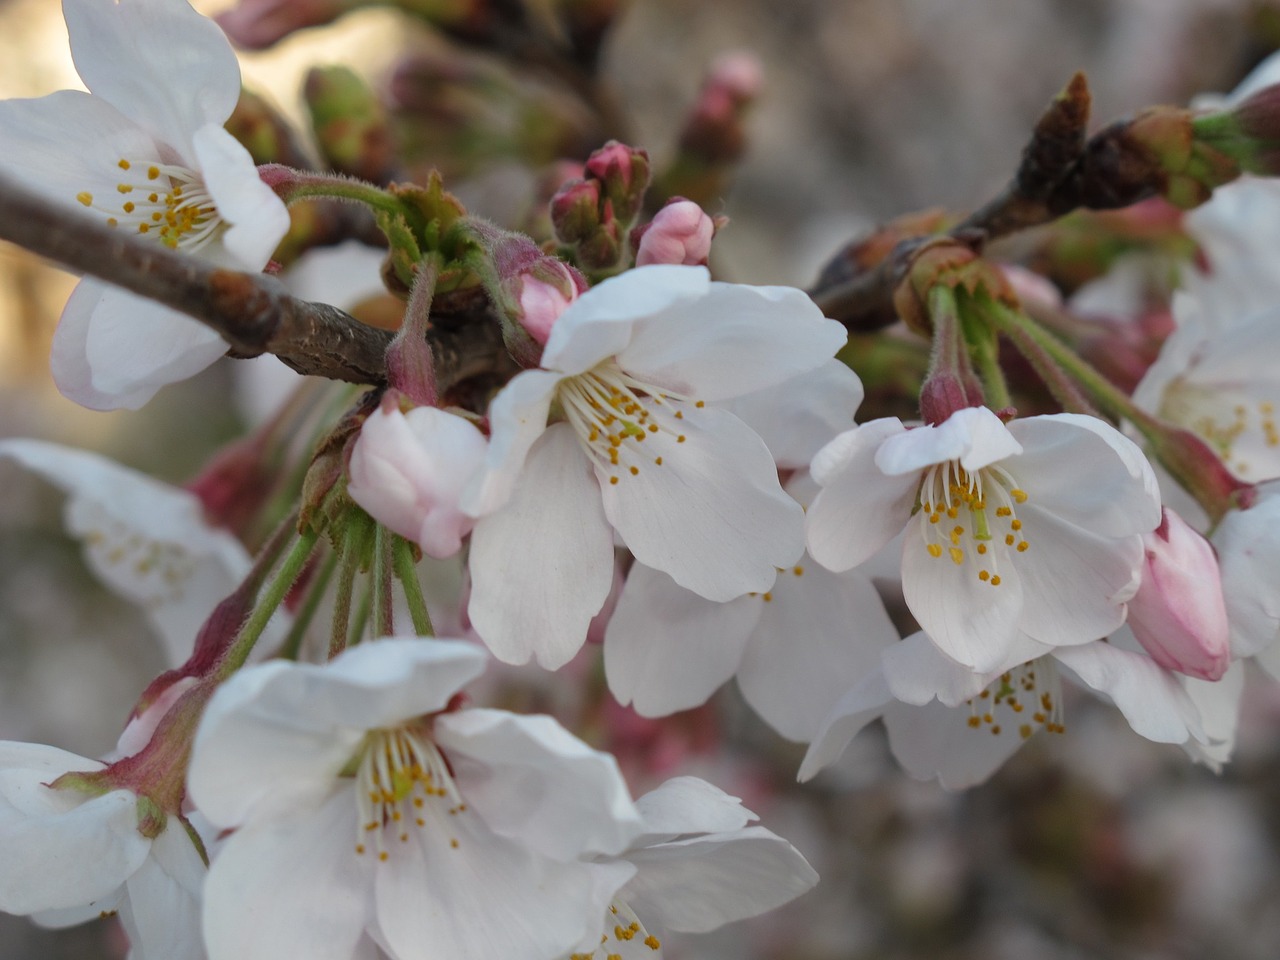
575	211
408	471
623	173
680	233
1249	133
264	132
541	304
1178	613
255	24
350	123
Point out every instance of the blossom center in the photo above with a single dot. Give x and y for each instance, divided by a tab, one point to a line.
1026	698
972	517
1240	427
613	413
166	201
402	780
624	937
156	571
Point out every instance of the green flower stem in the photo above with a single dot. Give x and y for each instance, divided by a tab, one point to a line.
984	348
355	539
307	612
360	621
1060	385
407	573
268	601
317	186
383	616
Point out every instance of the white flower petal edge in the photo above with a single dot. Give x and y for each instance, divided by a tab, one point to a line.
144	152
147	541
346	786
697	867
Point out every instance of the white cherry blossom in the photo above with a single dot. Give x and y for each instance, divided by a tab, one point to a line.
145	151
70	857
1032	528
457	833
956	725
147	541
698	865
635	447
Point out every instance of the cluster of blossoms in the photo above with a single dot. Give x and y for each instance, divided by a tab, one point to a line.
676	473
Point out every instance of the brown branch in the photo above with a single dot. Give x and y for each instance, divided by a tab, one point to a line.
253	313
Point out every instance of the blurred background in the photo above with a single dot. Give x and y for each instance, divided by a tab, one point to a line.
1096	844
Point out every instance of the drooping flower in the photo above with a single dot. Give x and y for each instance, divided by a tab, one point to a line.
631	371
457	833
957	725
146	153
697	866
71	857
1032	528
147	541
408	471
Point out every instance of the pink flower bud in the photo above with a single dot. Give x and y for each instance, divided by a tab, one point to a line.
541	304
1178	614
680	233
255	24
408	471
623	173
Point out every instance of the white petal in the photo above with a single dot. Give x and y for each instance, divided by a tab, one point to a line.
818	635
162	914
712	515
257	217
278	733
1088	473
160	63
599	323
1152	699
486	897
290	887
798	417
534	782
862	704
542	566
935	741
735	340
69	143
1218	706
975	436
684	805
1248	556
859	508
518	417
667	649
134	345
971	621
702	883
917	672
1074	582
61	849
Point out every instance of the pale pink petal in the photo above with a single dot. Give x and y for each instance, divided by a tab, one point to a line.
293	886
860	508
818	635
689	805
517	417
936	742
162	64
1086	472
668	649
599	324
162	913
862	704
534	782
971	621
712	514
257	218
975	436
735	340
798	417
701	883
1151	698
542	566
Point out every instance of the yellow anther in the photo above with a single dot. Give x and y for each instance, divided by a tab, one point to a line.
984	575
635	471
935	550
657	461
85	197
153	172
975	722
680	439
798	571
995	729
1025	731
1015	525
124	164
1022	547
613	480
700	404
957	555
767	596
652	942
124	188
982	548
995	580
1018	495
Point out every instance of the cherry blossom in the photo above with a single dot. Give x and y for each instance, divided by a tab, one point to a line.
957	725
147	541
72	857
697	866
1033	528
457	833
630	373
145	152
